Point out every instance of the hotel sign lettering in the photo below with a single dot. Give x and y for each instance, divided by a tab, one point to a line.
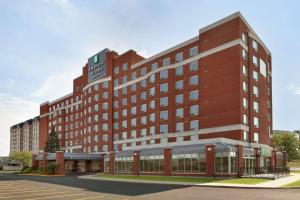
97	66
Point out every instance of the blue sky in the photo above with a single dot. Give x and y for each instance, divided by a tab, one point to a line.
45	43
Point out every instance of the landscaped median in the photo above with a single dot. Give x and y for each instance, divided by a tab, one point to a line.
293	185
183	180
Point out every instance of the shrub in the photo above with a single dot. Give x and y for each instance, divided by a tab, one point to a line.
25	170
1	167
51	168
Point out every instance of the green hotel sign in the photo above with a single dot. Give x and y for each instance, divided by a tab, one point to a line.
96	59
97	66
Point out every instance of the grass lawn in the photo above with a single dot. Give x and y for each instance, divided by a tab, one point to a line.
295	184
294	164
249	181
295	172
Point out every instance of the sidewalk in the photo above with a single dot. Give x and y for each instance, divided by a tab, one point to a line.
278	183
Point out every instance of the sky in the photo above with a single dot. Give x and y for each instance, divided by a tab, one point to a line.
45	43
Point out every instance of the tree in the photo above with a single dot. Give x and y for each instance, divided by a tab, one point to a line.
23	157
52	143
287	142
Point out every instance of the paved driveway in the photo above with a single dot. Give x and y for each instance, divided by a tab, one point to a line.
70	187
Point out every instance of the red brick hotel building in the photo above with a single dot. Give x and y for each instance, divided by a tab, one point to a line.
202	107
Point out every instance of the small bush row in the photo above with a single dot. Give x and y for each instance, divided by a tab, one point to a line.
50	169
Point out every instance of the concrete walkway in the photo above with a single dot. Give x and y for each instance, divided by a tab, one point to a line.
278	183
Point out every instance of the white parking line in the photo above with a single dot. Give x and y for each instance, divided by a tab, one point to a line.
68	195
28	195
98	197
28	191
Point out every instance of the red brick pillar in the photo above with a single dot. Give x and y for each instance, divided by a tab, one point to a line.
136	162
34	162
112	162
210	159
60	161
240	163
44	161
273	159
101	164
88	166
167	161
258	160
285	158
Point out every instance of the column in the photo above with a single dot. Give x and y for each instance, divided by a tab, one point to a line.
167	161
273	160
240	163
285	159
34	161
257	160
112	162
44	163
210	159
60	161
136	162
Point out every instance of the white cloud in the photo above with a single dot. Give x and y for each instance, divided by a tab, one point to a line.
13	110
295	89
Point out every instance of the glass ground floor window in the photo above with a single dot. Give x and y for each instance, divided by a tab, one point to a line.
189	163
225	163
151	164
106	164
249	164
124	164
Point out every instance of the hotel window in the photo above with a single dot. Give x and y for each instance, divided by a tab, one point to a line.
153	66
105	106
151	164
133	110
152	104
179	57
124	79
144	95
124	124
179	127
193	51
124	102
133	133
95	128
245	87
244	38
255	91
105	84
124	90
179	113
116	115
163	115
256	106
144	120
164	101
105	116
255	75
133	99
245	135
163	128
105	127
124	66
255	45
144	132
179	71
124	113
244	54
105	95
256	137
164	88
262	68
194	110
96	108
116	82
96	97
96	87
255	61
163	74
116	93
116	104
143	71
194	80
144	83
194	95
245	103
179	99
245	70
133	87
225	162
116	70
179	85
256	122
245	119
193	66
152	78
152	117
152	91
144	108
188	163
194	125
116	126
133	122
133	75
166	62
105	137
